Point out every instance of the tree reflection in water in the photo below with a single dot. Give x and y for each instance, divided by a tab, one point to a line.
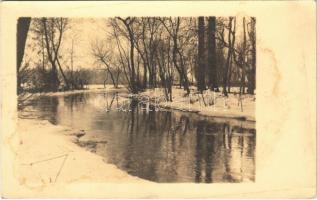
161	146
174	147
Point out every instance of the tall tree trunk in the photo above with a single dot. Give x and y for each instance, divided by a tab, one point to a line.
180	69
43	52
212	55
63	74
112	78
251	79
225	75
144	76
233	32
128	24
53	81
72	65
182	75
22	32
200	72
242	86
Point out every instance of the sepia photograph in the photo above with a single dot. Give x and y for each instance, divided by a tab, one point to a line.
143	100
165	99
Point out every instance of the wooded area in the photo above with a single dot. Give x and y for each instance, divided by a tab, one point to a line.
145	52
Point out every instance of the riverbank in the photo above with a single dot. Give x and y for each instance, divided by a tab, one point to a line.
89	89
212	104
41	157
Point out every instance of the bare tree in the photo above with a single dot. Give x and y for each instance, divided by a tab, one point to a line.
251	74
200	72
212	54
128	23
104	56
72	65
147	29
240	54
230	45
172	26
165	67
122	54
52	30
242	58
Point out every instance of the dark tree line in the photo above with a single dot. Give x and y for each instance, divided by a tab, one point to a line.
150	52
161	51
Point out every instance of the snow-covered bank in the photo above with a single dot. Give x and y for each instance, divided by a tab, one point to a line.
212	104
89	89
41	157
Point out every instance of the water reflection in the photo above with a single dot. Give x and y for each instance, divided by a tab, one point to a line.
162	146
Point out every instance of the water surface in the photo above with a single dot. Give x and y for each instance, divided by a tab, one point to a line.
161	146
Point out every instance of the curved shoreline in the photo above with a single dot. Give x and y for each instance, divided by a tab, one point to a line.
203	111
43	157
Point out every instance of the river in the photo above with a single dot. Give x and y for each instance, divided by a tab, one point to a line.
164	146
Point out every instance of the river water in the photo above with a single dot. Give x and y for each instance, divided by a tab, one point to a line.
163	146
